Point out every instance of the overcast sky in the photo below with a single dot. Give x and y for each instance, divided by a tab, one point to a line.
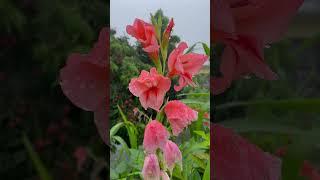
192	17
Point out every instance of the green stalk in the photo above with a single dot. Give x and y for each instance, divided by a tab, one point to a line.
37	163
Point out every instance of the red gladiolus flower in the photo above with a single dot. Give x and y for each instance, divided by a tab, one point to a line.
84	81
232	153
151	168
172	154
155	136
245	27
145	34
150	88
179	115
184	65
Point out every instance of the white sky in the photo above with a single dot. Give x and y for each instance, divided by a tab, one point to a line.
191	17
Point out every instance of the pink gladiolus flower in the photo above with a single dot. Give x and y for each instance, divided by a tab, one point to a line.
155	136
84	81
164	176
151	168
179	115
172	154
150	88
232	153
184	65
145	34
245	27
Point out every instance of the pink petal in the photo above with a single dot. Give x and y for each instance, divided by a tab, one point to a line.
182	84
172	154
164	176
266	20
99	54
179	115
227	68
222	17
155	136
84	83
232	153
101	120
172	59
136	87
193	62
250	52
151	168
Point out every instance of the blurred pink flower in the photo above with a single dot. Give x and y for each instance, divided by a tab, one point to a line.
155	136
232	153
164	176
145	34
84	81
172	155
185	65
245	27
80	154
150	88
179	115
151	168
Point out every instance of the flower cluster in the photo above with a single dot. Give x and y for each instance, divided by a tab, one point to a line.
151	87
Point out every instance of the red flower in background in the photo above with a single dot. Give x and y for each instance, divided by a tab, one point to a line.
234	158
185	65
145	34
245	27
84	81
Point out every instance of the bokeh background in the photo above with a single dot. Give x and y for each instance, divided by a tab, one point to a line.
36	37
281	117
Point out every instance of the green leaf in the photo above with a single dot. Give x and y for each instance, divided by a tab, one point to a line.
131	129
191	48
206	49
38	164
122	142
124	118
206	174
305	105
203	135
195	175
116	128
